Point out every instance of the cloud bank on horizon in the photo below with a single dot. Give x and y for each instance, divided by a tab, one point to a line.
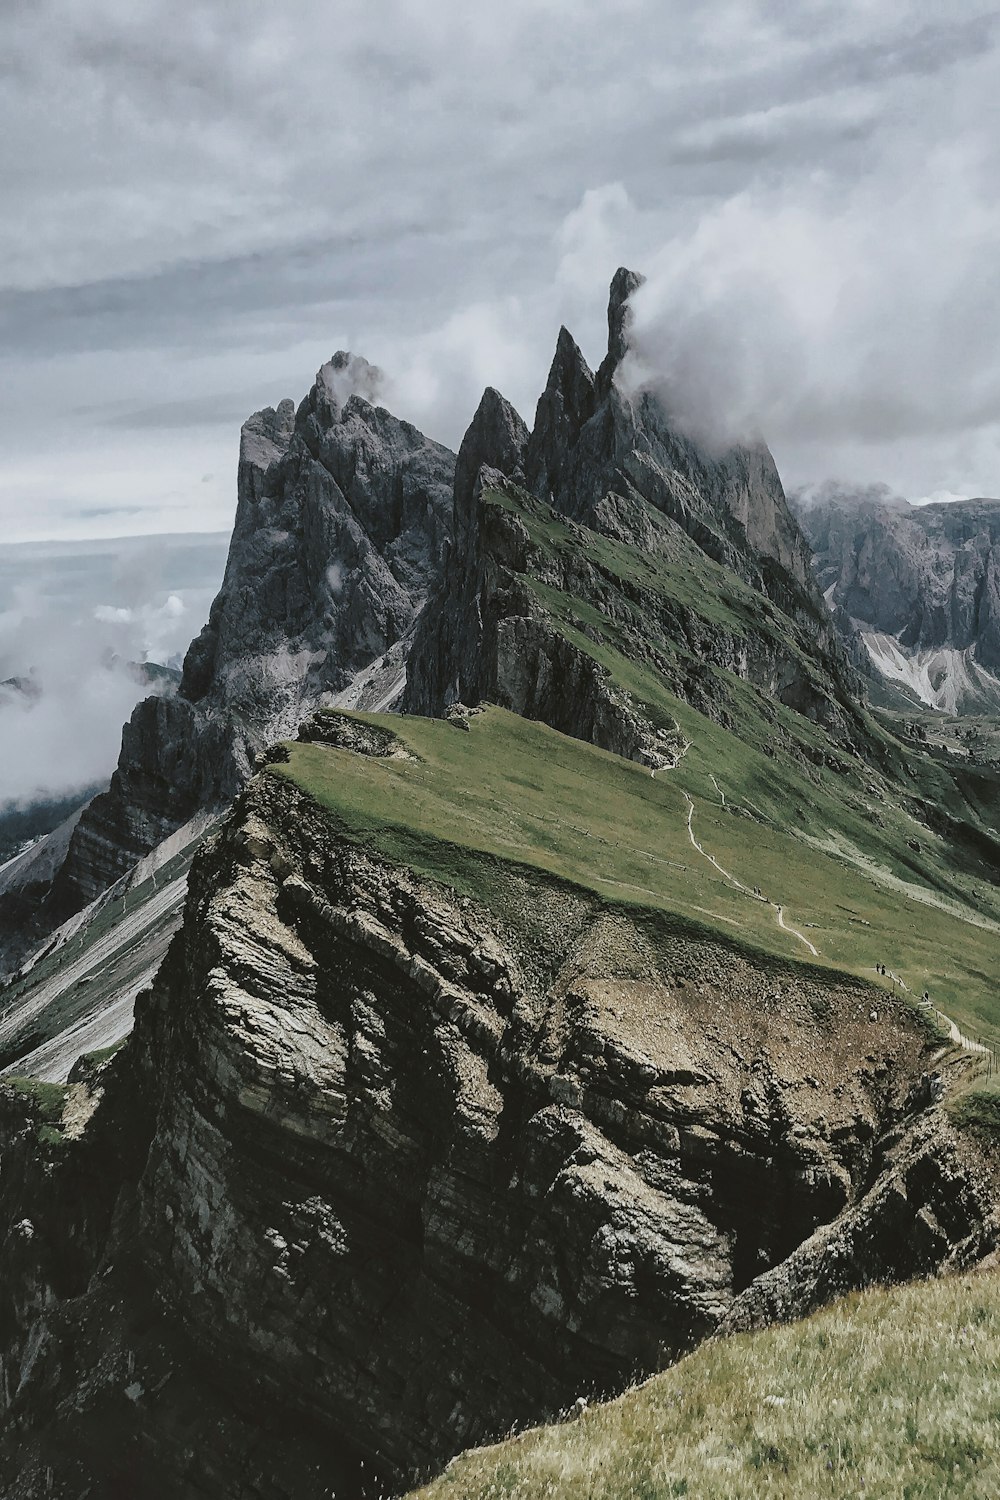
76	623
202	200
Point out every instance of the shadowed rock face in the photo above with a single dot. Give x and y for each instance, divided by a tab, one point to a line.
447	656
603	459
928	575
404	1169
341	521
591	438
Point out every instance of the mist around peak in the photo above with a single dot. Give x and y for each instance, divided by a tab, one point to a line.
85	632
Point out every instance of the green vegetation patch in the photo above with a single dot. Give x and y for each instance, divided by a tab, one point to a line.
515	791
46	1102
978	1109
889	859
892	1395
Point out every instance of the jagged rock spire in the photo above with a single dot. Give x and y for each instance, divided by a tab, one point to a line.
623	284
497	436
567	402
343	376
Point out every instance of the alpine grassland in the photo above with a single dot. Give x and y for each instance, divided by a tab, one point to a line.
887	1394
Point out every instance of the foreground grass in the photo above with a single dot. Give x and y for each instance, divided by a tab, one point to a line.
891	1394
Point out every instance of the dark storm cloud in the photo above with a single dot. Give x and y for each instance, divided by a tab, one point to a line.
203	199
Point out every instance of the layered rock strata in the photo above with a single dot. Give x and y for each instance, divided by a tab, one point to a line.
407	1168
921	584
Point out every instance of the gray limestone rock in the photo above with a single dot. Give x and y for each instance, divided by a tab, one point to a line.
523	1145
602	459
591	437
446	658
923	581
343	513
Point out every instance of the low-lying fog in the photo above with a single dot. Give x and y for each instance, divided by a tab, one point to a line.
78	621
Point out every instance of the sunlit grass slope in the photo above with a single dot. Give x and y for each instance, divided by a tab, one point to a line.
513	790
889	1395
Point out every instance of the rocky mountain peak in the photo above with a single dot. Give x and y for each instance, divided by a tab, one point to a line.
921	586
623	284
342	517
343	376
497	437
564	407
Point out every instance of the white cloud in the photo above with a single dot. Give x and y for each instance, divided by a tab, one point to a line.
203	200
80	656
848	324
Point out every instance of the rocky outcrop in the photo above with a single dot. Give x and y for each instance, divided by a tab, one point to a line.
408	1167
591	438
492	640
497	637
609	462
342	517
920	583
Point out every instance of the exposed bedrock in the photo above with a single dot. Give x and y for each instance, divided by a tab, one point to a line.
603	458
428	1168
342	516
928	575
491	638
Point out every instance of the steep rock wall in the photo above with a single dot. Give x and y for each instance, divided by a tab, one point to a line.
603	458
342	516
427	1169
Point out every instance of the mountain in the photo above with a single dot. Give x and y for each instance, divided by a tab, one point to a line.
342	512
456	1066
693	563
513	1044
920	585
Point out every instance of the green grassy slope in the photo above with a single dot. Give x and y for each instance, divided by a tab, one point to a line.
516	790
877	851
891	1395
783	771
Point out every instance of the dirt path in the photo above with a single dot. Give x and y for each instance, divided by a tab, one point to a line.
960	1037
785	928
955	1033
738	883
710	857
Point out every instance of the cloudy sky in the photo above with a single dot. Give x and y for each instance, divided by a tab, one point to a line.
202	199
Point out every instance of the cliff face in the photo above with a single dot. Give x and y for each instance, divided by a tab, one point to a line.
591	438
393	1168
608	465
342	515
921	584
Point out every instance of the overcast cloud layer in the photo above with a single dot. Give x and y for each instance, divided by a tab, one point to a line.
202	199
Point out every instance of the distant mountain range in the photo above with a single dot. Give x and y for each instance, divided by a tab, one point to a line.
920	586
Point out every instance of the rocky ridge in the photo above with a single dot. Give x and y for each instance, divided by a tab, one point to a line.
920	585
342	514
607	463
366	1126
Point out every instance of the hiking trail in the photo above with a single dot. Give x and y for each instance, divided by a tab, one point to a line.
738	883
